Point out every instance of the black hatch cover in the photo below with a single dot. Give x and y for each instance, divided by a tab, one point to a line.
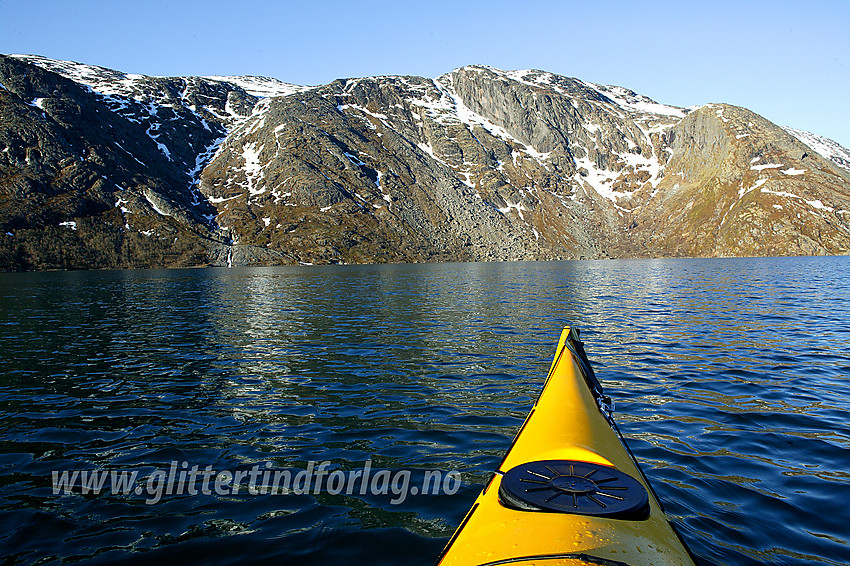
568	486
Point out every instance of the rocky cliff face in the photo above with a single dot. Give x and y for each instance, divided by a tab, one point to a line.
99	168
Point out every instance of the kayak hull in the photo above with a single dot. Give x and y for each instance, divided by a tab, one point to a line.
567	468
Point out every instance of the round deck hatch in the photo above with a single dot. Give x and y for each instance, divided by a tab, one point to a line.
567	486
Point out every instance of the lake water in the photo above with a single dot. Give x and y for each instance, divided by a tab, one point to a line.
731	379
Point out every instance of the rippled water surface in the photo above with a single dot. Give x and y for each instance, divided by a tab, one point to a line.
730	378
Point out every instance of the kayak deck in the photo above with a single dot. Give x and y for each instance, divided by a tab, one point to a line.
568	491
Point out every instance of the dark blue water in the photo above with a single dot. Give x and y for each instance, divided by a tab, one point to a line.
730	378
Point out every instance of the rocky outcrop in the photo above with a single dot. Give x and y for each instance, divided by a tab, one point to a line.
71	173
737	185
99	168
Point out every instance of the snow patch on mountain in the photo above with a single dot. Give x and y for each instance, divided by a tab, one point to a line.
261	87
601	180
633	102
253	168
826	147
766	166
99	79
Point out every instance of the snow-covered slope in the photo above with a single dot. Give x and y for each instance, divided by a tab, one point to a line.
261	87
826	147
110	82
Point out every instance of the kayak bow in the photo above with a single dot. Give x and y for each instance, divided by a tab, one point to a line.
568	491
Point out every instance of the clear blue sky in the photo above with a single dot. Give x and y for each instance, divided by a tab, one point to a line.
788	61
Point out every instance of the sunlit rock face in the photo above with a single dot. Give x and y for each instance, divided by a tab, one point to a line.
99	168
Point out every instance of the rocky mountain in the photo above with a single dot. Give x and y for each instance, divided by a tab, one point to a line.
99	168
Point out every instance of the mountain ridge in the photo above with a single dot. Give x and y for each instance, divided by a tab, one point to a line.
476	164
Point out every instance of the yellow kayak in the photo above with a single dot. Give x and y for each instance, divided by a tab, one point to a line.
568	491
